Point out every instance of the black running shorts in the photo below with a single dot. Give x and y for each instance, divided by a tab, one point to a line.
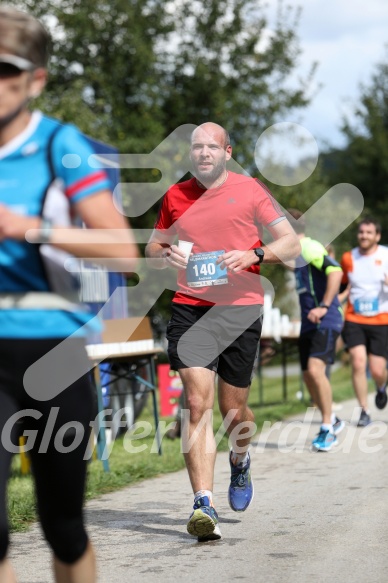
220	338
318	343
374	337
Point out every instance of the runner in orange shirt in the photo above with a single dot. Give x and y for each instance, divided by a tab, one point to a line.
366	319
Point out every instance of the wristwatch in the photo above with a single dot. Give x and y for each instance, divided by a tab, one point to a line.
259	252
322	305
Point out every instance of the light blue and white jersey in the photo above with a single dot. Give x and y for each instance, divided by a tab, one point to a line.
44	171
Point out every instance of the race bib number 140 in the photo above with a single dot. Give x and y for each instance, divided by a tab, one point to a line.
202	270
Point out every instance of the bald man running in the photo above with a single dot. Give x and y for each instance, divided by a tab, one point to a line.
217	311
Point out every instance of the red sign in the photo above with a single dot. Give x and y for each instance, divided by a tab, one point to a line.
170	389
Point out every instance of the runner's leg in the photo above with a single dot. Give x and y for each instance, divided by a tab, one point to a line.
198	442
319	385
60	474
358	357
235	399
378	369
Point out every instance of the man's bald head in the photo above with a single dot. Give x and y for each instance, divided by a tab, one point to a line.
209	151
215	131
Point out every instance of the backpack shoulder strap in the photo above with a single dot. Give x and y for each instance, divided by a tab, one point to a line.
50	163
50	154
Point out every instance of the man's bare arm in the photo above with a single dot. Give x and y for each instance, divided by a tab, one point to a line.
284	247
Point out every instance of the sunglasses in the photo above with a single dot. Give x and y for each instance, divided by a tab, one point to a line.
8	71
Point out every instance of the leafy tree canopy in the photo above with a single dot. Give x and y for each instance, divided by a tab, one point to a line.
364	160
132	71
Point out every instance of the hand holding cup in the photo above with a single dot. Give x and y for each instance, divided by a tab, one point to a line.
186	247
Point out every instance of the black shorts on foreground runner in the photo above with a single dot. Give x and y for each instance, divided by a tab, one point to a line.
317	344
221	338
374	337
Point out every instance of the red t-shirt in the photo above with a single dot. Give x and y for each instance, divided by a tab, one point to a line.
229	217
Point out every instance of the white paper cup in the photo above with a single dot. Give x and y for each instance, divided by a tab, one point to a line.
186	247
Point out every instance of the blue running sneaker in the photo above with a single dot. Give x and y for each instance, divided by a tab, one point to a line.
203	522
324	441
241	490
338	426
364	419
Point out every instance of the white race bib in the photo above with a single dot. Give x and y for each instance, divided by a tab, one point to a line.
202	270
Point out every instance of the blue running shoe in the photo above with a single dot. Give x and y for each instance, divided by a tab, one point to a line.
364	419
203	522
241	490
324	441
338	426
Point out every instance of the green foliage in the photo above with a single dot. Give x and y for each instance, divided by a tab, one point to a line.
130	72
228	68
364	161
104	69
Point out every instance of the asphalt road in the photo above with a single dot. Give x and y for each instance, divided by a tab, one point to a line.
316	517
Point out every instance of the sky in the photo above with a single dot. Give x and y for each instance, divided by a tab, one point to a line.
347	38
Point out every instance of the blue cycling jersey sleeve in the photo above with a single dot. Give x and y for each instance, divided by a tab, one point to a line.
71	152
